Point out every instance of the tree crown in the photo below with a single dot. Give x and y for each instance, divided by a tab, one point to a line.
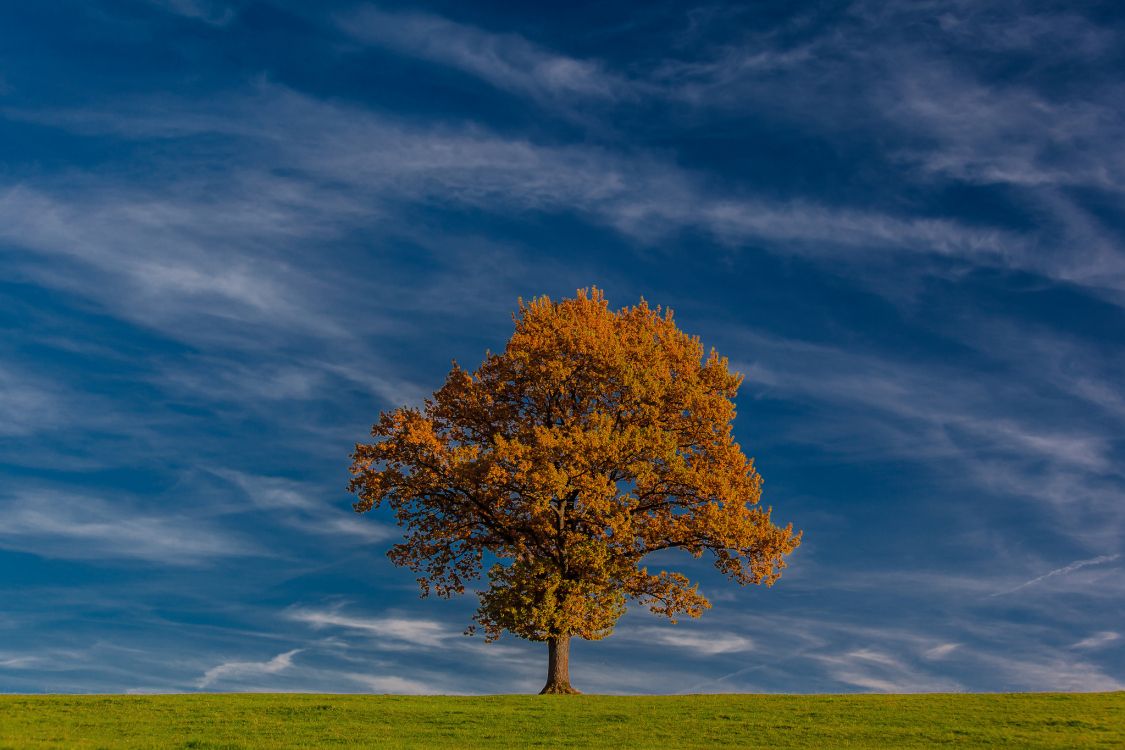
593	440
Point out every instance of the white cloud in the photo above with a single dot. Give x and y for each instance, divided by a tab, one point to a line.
1014	430
1063	571
507	61
18	662
26	405
878	671
706	643
940	651
395	685
69	526
1007	27
371	163
236	671
930	100
348	524
271	493
1056	672
816	650
1004	134
1097	640
399	632
302	505
155	253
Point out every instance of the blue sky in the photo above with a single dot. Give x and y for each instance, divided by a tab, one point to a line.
232	232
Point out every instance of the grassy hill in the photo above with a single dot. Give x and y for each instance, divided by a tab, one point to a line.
1035	720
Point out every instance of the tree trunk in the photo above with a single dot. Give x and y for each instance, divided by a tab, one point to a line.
558	667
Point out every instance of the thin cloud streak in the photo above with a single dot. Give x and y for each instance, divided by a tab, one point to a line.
708	643
1098	640
1065	570
66	526
240	670
400	632
507	61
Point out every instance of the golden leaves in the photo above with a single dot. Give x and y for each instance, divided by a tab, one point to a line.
595	438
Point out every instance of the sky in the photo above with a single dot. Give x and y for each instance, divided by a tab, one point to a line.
231	233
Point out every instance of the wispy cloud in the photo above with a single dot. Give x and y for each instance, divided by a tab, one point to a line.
810	652
302	505
937	110
1011	26
272	493
1053	671
507	61
396	685
26	405
238	671
1005	134
932	94
214	12
1058	459
68	526
399	632
1098	640
878	671
639	195
708	643
1063	571
314	672
18	662
940	651
125	239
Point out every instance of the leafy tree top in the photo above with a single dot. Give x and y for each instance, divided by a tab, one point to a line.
593	440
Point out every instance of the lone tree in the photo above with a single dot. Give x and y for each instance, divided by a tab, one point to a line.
595	439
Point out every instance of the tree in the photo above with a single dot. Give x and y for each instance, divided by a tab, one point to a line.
595	439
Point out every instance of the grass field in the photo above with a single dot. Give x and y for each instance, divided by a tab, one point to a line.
1029	720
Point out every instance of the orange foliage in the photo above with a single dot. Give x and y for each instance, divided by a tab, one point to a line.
596	438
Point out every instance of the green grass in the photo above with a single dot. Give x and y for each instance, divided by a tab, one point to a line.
1028	720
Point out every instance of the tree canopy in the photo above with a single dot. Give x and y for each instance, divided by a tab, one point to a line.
596	438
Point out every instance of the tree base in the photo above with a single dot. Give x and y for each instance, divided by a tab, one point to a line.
558	667
558	689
